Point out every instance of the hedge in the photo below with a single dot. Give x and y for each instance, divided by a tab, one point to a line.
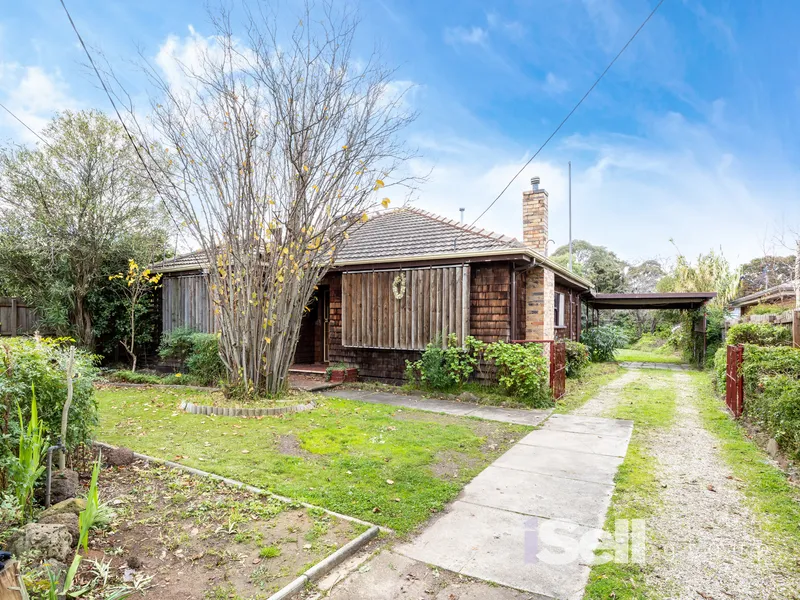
760	334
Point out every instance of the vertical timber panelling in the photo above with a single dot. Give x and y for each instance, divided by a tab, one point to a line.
186	302
435	304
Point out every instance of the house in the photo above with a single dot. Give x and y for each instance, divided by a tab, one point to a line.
407	277
778	296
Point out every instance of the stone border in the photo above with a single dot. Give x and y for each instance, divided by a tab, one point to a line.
326	565
234	411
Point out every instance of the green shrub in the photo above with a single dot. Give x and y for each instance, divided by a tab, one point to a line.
177	344
768	309
442	368
649	342
204	362
777	408
760	334
603	341
772	392
26	363
26	467
522	372
134	377
577	358
720	366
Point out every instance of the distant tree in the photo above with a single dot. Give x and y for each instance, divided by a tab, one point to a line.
642	279
765	272
64	207
710	273
598	264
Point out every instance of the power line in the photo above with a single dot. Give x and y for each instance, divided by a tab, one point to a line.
25	125
574	108
116	110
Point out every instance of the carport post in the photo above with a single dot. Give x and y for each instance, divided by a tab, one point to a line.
796	328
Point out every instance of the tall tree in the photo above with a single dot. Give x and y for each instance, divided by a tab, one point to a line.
766	271
64	206
597	263
641	279
279	145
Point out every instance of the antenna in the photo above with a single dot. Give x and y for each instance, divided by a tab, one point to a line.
570	214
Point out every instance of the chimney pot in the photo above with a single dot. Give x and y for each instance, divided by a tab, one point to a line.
535	183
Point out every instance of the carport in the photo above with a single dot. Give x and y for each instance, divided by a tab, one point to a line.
692	301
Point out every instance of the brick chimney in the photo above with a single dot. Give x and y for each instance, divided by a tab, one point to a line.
534	217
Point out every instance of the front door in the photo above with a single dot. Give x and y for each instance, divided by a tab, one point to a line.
325	307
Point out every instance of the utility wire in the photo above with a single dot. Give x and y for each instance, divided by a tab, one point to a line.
116	110
25	125
560	125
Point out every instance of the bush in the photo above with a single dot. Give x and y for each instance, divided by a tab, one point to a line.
603	341
772	392
522	371
760	334
204	362
177	344
41	363
199	352
649	342
443	368
720	366
577	358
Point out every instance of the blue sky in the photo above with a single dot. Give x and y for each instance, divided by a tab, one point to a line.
693	135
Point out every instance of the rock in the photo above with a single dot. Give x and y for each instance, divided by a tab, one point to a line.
118	457
772	448
68	520
468	397
63	486
73	505
49	540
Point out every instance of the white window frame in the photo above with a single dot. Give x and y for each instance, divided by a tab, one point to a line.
560	320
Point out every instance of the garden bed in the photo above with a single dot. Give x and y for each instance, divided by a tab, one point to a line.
179	537
374	462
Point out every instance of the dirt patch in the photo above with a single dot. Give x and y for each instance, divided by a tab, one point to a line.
450	463
289	445
190	538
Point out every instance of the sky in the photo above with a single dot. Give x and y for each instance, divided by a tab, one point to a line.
689	143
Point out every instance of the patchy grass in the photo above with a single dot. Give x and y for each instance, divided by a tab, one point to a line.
651	405
770	496
360	459
659	356
580	390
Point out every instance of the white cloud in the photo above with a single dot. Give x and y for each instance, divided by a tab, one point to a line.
34	96
463	35
555	84
630	193
513	29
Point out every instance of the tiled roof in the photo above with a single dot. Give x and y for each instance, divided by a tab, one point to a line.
413	232
184	262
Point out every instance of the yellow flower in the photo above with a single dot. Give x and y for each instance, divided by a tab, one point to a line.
365	217
178	375
385	202
379	184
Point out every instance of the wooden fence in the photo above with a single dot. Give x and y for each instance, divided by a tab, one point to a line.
185	302
405	309
16	317
734	380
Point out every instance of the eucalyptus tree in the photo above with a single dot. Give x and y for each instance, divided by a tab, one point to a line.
280	143
65	206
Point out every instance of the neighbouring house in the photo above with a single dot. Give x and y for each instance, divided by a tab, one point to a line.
778	296
407	277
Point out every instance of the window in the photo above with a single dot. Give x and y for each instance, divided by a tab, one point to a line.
559	319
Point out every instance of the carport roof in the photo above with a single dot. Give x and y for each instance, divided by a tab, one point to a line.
674	300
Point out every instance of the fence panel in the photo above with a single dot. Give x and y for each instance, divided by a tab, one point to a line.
734	380
16	318
558	370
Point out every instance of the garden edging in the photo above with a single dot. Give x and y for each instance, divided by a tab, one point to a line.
235	411
252	489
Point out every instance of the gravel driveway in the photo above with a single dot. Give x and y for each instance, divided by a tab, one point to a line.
706	543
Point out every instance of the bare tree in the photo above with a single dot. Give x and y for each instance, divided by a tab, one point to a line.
278	147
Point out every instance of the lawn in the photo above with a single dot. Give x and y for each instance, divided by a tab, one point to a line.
659	356
394	467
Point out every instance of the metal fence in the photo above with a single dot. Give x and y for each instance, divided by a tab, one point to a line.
16	317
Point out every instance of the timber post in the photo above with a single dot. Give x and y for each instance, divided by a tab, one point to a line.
796	328
11	585
14	323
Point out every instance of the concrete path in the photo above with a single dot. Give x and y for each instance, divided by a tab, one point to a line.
450	407
558	477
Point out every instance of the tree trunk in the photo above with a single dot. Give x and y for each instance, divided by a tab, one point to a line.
83	323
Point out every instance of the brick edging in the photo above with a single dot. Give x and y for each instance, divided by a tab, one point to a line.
234	411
